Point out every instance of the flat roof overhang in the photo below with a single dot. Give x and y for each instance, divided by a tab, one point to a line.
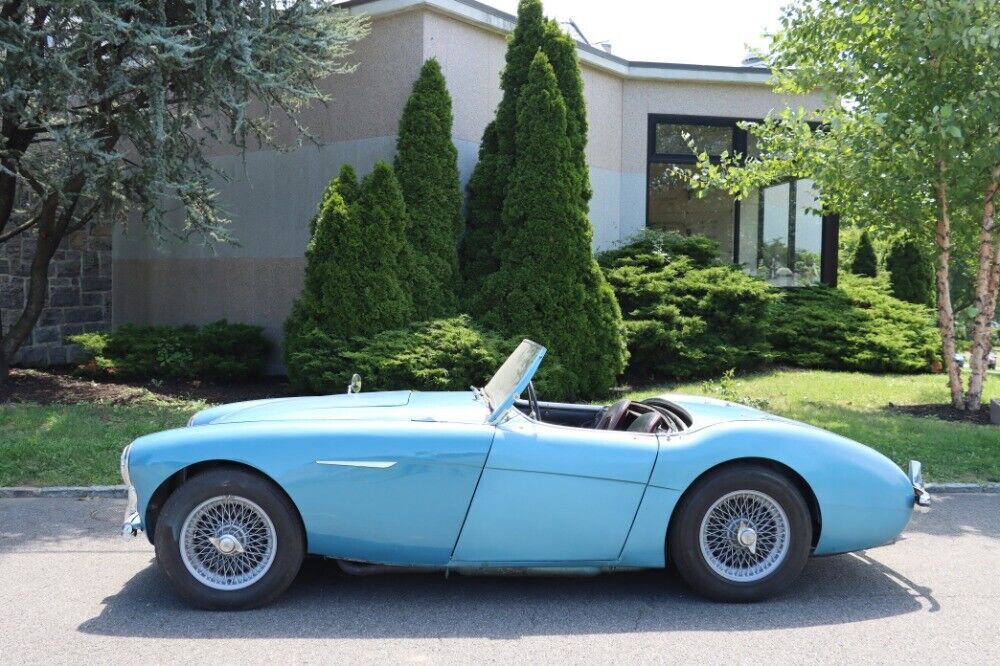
491	18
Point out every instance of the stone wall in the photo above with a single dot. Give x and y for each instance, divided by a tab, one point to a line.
79	293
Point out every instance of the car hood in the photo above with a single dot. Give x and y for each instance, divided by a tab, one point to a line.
453	407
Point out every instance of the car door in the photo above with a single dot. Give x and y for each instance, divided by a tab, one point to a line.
397	493
555	494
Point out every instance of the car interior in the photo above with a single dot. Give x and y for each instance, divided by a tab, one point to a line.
647	416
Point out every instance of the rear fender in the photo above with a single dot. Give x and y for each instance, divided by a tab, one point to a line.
863	497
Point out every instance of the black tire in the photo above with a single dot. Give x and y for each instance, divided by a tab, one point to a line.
288	552
683	542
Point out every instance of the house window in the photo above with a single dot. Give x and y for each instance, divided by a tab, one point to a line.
776	233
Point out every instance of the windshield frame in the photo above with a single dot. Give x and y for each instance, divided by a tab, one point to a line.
512	378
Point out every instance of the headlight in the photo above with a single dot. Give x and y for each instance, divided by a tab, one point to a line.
123	465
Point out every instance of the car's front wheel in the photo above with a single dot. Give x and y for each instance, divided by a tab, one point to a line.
229	540
741	534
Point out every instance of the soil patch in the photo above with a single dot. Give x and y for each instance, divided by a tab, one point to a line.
944	412
60	385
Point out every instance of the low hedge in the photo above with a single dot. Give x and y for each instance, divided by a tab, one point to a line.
437	355
858	325
218	351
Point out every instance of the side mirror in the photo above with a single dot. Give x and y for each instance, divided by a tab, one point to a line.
355	385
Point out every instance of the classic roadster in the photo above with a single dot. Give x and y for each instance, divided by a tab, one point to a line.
484	481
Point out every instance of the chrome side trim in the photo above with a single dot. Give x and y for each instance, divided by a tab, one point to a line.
371	464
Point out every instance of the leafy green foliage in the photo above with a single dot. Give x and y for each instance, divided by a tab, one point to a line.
856	326
914	149
549	287
114	106
911	272
230	351
728	388
436	355
427	167
865	262
688	320
220	351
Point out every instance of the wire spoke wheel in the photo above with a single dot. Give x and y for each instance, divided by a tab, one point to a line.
228	543
744	536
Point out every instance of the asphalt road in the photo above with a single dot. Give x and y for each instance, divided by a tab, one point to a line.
73	592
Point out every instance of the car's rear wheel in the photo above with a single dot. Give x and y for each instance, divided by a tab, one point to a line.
742	533
229	540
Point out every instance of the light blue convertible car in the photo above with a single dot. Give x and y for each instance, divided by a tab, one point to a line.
734	498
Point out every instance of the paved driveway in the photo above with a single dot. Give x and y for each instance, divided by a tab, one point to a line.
72	592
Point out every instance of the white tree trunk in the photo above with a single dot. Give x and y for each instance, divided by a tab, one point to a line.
986	296
946	314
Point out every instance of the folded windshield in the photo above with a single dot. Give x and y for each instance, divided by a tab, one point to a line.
513	376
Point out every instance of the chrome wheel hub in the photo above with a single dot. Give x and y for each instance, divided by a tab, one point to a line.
228	543
744	536
747	538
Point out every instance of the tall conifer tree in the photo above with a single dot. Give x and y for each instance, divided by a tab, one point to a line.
548	285
427	168
865	262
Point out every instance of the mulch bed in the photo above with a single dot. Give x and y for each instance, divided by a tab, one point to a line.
60	385
944	412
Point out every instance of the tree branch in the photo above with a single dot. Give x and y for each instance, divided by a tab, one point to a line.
6	236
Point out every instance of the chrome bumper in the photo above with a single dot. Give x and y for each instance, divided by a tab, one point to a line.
132	524
920	496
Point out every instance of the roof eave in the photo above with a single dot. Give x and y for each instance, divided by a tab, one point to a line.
490	18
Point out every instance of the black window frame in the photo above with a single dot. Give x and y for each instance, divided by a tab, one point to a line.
830	229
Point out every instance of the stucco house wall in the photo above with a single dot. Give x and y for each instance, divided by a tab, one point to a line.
272	195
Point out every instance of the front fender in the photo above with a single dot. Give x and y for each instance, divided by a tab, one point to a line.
287	452
864	498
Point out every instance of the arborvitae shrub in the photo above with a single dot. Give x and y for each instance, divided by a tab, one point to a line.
911	272
427	168
491	178
483	206
865	262
359	266
549	287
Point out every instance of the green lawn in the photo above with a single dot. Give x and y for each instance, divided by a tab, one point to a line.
852	404
56	445
79	444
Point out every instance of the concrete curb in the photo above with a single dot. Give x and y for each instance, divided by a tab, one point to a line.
963	488
72	492
85	492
